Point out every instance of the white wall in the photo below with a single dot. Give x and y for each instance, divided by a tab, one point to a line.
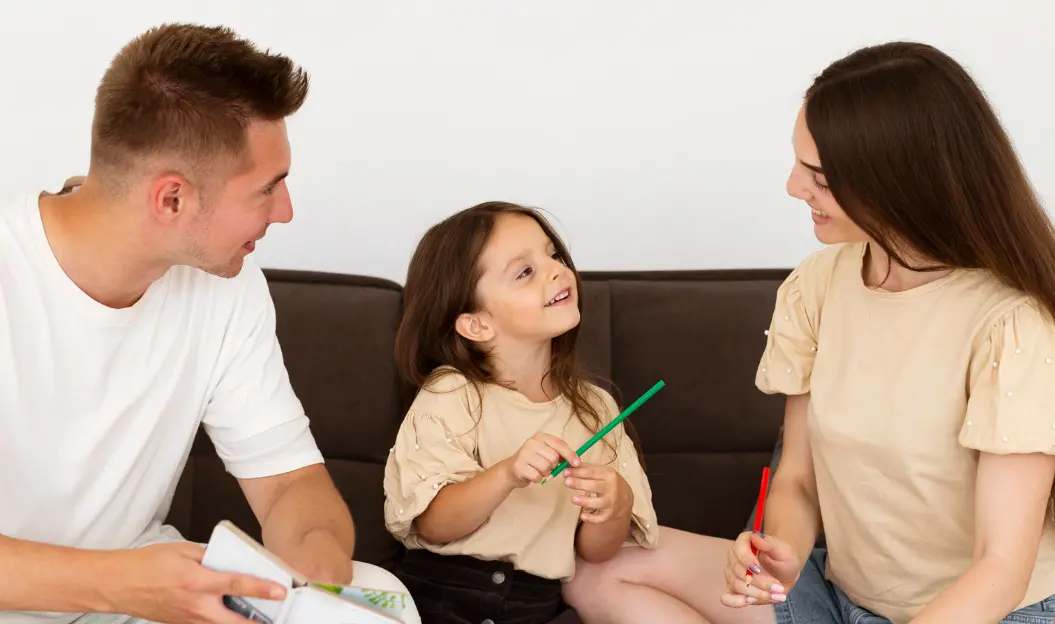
657	132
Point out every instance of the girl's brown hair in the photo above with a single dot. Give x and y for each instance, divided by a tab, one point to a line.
441	286
915	155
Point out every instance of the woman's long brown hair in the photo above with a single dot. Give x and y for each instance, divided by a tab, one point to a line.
441	285
915	155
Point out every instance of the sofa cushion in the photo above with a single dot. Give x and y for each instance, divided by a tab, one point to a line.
709	432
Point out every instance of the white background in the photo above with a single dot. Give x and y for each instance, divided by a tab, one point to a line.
657	132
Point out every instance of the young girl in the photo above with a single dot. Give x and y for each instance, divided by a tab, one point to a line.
917	353
488	334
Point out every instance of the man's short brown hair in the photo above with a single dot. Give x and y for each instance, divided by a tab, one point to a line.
189	91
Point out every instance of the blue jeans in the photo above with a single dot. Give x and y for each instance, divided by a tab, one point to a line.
815	600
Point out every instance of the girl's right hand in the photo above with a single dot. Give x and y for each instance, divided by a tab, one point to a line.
537	458
772	572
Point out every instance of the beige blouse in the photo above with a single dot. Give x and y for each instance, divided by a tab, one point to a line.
450	434
906	389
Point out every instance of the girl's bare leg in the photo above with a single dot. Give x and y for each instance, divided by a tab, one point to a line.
679	582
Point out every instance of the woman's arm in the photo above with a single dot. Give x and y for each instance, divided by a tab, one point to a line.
1011	499
792	522
792	512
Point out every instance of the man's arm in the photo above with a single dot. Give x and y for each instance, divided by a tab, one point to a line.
41	577
305	521
163	582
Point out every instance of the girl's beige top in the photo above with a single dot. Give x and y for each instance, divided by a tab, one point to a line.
451	433
907	388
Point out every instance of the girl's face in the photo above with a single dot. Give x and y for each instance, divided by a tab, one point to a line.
526	292
830	224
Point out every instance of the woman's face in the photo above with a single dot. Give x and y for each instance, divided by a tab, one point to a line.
830	224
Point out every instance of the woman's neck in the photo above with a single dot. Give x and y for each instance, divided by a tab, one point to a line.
525	369
880	271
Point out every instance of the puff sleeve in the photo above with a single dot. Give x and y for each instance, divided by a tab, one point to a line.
791	340
644	529
1011	399
435	446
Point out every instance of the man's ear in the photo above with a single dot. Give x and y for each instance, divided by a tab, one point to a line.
474	327
170	196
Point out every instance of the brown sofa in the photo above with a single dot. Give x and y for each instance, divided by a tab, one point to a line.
706	436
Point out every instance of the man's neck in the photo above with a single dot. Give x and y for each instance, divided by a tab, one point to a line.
525	368
99	247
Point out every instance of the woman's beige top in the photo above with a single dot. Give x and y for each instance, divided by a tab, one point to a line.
451	434
906	389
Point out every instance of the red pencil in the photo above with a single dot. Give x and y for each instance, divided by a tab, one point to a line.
761	510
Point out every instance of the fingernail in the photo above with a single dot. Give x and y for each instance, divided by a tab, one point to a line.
778	597
751	600
754	568
567	482
776	589
760	534
276	593
576	500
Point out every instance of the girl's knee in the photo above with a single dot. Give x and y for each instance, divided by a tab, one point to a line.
591	581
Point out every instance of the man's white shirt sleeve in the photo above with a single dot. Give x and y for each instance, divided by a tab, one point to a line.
255	420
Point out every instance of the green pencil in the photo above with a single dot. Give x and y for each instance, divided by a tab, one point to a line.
600	434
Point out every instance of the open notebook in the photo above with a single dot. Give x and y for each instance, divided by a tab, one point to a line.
231	550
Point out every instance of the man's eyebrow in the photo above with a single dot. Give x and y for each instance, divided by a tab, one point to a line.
275	180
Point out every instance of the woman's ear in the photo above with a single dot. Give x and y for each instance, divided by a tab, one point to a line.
473	327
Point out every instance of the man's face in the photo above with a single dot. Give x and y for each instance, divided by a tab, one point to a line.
225	227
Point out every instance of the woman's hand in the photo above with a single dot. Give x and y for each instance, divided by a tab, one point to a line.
765	578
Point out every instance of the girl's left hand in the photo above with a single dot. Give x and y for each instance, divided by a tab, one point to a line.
603	493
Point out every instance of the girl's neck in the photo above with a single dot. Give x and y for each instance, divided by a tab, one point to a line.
880	271
524	368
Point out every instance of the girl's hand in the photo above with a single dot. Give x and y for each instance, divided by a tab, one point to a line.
605	494
765	578
537	458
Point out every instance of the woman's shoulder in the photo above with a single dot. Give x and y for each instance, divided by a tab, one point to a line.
830	261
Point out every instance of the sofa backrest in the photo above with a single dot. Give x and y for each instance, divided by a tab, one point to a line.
706	436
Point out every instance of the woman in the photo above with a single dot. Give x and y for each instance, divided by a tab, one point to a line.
916	351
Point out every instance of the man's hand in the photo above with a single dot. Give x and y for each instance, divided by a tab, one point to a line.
167	583
606	494
320	558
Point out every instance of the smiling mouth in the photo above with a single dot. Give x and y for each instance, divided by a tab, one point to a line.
819	213
560	296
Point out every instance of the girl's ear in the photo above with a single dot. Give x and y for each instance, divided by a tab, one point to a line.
473	327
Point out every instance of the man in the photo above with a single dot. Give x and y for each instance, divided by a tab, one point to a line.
130	313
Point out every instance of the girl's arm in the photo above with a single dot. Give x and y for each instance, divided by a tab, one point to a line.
461	508
1011	498
606	516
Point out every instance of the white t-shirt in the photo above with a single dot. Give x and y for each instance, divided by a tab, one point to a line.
99	406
